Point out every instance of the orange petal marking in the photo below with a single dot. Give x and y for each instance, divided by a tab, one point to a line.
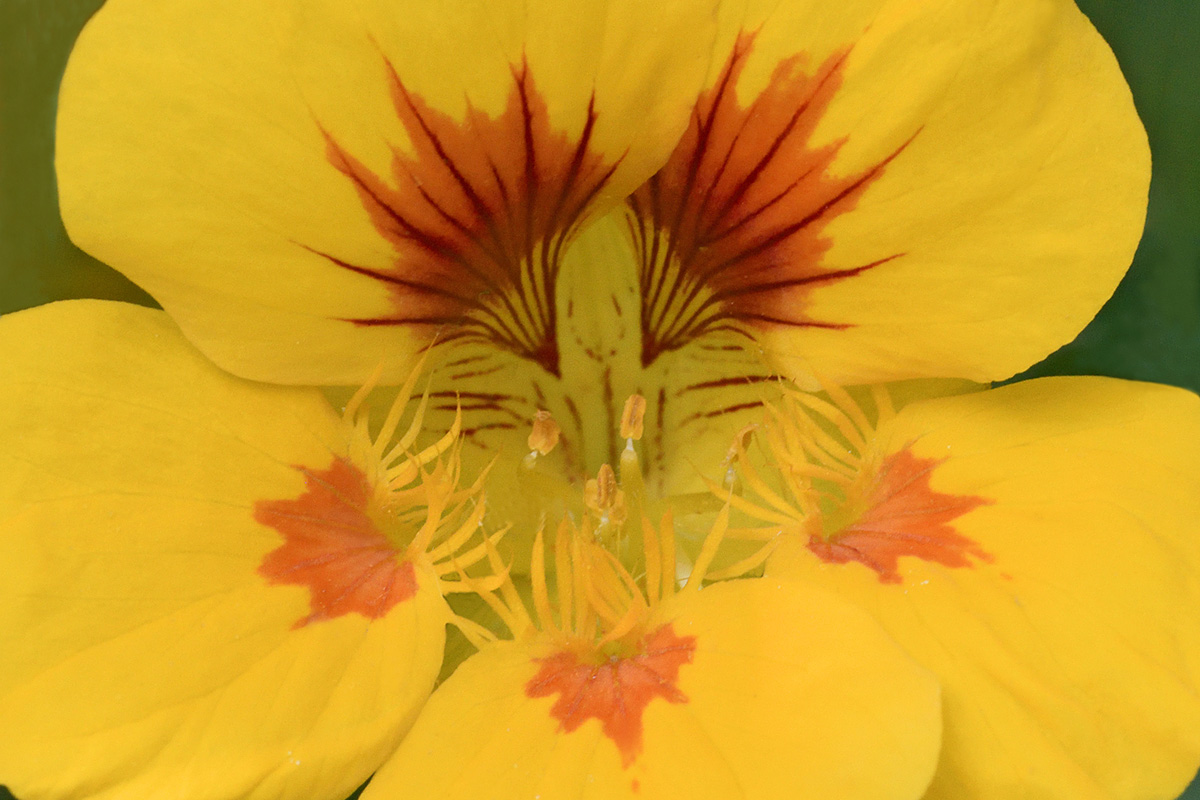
332	547
729	232
617	691
478	216
904	517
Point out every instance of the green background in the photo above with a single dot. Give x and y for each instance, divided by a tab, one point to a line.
1150	330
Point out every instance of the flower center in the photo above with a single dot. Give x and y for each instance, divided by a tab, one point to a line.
536	306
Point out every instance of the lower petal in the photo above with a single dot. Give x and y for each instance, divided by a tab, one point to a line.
147	652
832	708
1048	573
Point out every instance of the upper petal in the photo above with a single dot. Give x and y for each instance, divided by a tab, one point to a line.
192	599
314	188
889	189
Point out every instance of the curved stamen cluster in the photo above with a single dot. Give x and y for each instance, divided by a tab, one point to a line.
821	459
849	499
418	500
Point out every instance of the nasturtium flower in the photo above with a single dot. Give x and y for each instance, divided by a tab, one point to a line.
623	257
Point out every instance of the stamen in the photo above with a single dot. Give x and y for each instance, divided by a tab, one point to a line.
708	552
604	497
396	411
349	414
544	437
475	633
606	488
633	419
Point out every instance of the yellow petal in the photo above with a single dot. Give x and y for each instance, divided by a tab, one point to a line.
1049	573
731	707
888	189
314	188
165	630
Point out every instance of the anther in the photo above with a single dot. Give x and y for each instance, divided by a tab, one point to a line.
606	488
544	436
604	497
741	440
633	418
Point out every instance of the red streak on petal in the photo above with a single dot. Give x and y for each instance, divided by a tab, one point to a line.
905	517
730	232
615	692
477	214
332	547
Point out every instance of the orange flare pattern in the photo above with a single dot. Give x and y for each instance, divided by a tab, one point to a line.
905	516
478	215
617	691
729	232
333	548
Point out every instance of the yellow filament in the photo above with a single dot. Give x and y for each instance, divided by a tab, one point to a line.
747	564
562	572
583	611
392	420
884	409
475	633
350	413
653	554
752	478
803	494
404	473
756	534
707	552
453	541
748	506
476	554
851	409
668	554
414	429
541	595
603	588
835	415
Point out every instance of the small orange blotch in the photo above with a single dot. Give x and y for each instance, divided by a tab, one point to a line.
332	547
904	517
617	691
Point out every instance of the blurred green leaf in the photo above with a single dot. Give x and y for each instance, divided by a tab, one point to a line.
38	263
1150	329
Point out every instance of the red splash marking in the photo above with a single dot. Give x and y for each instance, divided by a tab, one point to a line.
332	547
905	517
477	215
729	232
615	692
